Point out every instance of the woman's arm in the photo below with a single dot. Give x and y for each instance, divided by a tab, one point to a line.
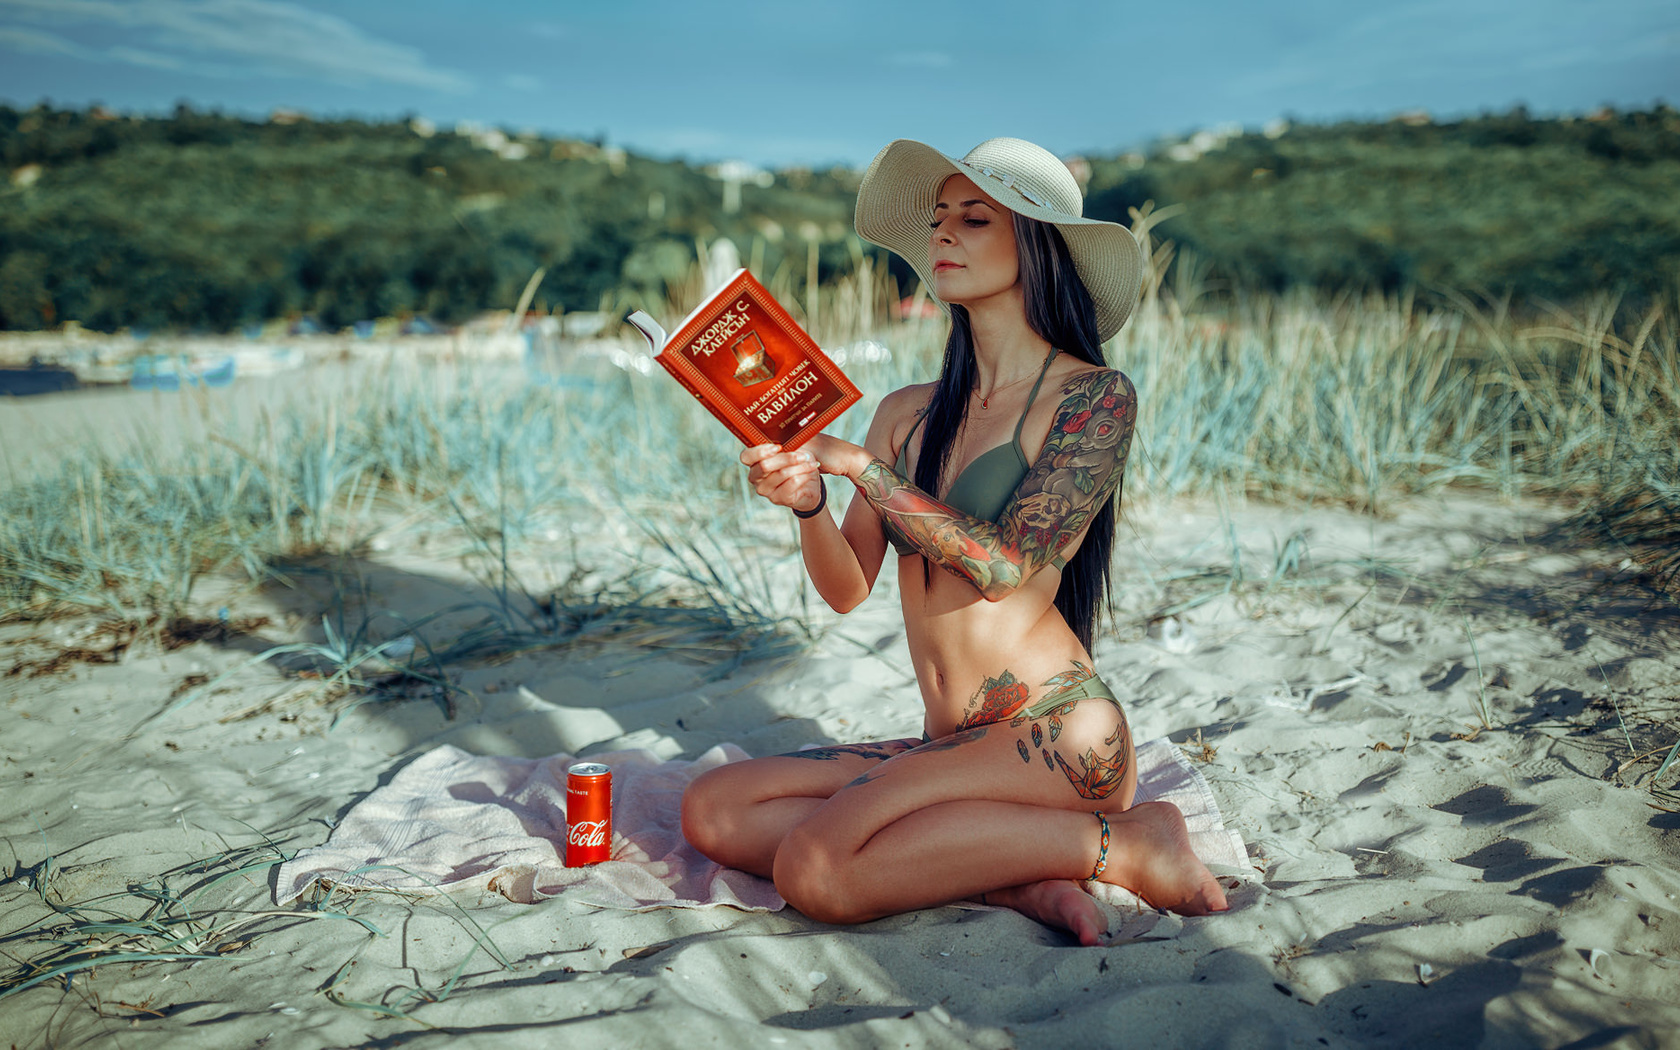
842	560
1076	473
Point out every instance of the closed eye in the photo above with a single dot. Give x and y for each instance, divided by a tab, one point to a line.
968	222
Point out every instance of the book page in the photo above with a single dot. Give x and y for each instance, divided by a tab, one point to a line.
646	325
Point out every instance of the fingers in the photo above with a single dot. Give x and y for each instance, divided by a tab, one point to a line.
784	478
782	486
795	484
795	491
774	462
763	454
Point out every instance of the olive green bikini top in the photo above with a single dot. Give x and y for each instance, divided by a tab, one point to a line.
984	487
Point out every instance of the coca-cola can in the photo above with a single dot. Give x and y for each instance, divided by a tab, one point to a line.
588	814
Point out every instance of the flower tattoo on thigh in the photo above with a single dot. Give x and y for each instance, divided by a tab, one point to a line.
996	699
1099	777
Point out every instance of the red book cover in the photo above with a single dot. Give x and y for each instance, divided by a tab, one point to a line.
752	366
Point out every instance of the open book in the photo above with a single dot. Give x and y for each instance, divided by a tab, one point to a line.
752	367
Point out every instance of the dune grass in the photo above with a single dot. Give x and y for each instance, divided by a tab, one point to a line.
164	919
196	913
1355	400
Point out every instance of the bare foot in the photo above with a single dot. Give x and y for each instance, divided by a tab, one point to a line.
1061	903
1150	855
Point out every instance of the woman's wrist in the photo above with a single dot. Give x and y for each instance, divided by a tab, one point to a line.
822	501
865	459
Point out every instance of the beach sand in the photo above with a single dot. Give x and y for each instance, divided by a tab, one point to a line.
1422	879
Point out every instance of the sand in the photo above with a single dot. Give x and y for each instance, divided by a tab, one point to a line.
1421	879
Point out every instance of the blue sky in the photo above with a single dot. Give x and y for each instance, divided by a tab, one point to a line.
781	83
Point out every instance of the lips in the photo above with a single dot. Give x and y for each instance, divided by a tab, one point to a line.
945	264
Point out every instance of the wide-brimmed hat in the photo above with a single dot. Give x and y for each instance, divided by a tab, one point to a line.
896	199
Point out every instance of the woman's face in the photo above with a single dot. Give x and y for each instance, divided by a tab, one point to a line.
972	244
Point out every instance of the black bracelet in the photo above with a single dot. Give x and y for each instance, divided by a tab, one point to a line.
822	501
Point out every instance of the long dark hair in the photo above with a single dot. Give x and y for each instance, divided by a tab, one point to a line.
1061	312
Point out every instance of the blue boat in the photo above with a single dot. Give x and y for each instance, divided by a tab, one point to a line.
170	372
154	372
219	374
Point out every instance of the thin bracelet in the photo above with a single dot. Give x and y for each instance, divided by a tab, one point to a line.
1102	856
822	501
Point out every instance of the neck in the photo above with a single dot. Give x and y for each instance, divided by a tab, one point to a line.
1005	346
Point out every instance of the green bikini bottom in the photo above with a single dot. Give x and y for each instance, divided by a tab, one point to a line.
1092	688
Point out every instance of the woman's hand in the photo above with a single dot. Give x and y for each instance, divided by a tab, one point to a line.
793	479
840	458
787	479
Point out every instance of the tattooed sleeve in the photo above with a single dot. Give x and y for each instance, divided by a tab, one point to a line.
1076	473
883	749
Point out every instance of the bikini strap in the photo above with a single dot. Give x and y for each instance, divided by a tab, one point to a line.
1058	561
1034	395
904	449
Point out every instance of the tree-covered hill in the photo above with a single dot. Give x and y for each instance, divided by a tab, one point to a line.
210	221
207	221
1552	208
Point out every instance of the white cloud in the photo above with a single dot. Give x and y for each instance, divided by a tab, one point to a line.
275	36
151	59
36	42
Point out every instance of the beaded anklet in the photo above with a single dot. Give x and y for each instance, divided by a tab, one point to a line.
1102	856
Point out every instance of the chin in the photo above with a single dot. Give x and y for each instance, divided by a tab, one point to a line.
953	289
962	293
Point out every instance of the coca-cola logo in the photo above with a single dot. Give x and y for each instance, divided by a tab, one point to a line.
587	833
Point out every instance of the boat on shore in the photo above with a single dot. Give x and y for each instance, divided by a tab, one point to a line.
36	378
174	371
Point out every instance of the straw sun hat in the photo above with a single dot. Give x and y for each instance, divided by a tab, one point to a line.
896	199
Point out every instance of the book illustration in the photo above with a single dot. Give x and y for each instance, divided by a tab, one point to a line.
773	386
752	364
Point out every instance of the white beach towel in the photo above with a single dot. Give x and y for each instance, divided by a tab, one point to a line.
452	820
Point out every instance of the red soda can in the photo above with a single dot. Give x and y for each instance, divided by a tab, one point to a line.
588	814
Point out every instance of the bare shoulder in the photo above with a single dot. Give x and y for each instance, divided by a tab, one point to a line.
1083	391
894	417
905	402
897	411
1084	379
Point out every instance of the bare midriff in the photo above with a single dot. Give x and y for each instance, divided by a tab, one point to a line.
958	640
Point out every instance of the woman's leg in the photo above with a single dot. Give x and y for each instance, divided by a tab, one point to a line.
981	811
738	814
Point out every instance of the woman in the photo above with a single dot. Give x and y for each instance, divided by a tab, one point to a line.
1023	780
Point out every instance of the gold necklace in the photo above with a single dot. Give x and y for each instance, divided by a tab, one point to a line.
986	402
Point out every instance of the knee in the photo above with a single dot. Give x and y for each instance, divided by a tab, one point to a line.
818	878
706	814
